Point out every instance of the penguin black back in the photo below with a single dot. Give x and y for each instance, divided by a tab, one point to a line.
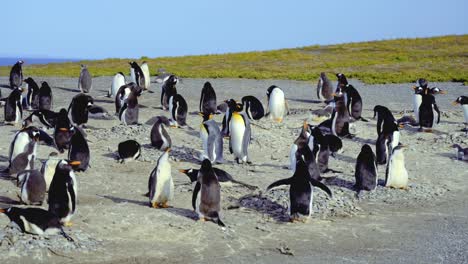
366	170
62	191
139	76
13	110
85	81
78	108
45	97
208	99
79	150
385	118
129	149
32	97
159	136
168	89
253	107
180	109
426	111
63	130
16	75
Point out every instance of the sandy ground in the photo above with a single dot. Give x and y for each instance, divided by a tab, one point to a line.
426	224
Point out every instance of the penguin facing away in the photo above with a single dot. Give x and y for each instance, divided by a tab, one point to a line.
146	73
13	110
122	95
208	99
85	81
232	106
78	108
32	98
366	170
159	136
79	150
396	175
463	101
253	107
45	97
277	105
298	144
178	108
160	183
21	140
117	82
33	187
25	160
324	88
340	117
16	75
63	131
212	139
128	150
137	74
48	170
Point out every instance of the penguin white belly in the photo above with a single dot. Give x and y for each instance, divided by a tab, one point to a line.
277	105
123	117
70	214
164	185
397	174
18	115
165	144
311	199
198	202
465	112
204	138
118	81
132	75
333	126
320	89
146	73
396	139
417	99
173	118
19	144
435	115
292	158
30	227
24	191
237	130
49	171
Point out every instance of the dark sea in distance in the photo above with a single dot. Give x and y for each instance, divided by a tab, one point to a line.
29	61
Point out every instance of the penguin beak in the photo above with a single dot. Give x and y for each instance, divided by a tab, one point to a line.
305	125
74	162
414	87
401	125
443	92
454	103
333	94
63	129
3	210
168	149
200	114
183	171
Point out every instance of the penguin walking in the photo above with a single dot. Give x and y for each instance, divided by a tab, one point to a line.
85	81
365	171
253	107
178	109
206	198
324	88
240	135
137	74
45	97
129	113
79	150
16	75
33	187
146	73
117	82
277	105
168	90
208	99
128	150
63	190
44	117
340	117
35	221
32	98
396	175
222	175
298	144
160	183
429	114
63	131
463	101
78	109
212	139
13	109
300	191
159	136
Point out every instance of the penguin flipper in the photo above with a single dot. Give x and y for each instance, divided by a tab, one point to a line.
43	136
72	194
65	235
438	113
363	119
321	186
220	223
286	181
195	195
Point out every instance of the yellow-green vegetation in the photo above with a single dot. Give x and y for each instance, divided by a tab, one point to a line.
390	61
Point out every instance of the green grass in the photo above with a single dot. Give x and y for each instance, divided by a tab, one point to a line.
389	61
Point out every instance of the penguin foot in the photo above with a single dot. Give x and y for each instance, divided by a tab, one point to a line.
202	219
164	205
428	130
155	205
68	224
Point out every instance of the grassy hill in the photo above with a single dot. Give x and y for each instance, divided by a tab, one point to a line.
389	61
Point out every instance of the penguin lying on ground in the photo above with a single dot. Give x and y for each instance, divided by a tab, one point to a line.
129	149
45	117
462	153
222	175
160	183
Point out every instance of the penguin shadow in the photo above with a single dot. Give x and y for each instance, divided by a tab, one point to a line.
415	130
304	100
67	89
119	200
8	201
380	182
190	214
265	206
3	158
142	106
5	86
109	101
452	156
336	181
363	140
112	155
345	158
271	165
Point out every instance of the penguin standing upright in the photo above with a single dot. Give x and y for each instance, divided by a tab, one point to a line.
33	187
253	107
129	149
85	81
137	74
328	145
396	175
240	135
25	160
78	108
16	75
231	104
178	109
206	198
13	109
122	95
21	140
63	131
129	113
353	99
146	73
212	139
168	90
366	170
300	191
299	143
429	114
340	117
324	88
277	105
417	100
385	118
32	98
159	136
79	150
160	183
387	140
463	101
45	97
117	82
208	99
48	170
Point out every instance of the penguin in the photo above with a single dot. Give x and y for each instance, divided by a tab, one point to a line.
437	90
79	150
396	175
63	192
13	109
159	136
122	95
146	73
299	143
96	111
48	170
222	175
222	108
463	101
137	74
320	115
277	105
32	98
35	221
85	81
387	140
45	97
78	109
417	99
63	131
21	140
178	109
208	99
160	183
427	112
33	187
45	117
324	88
128	150
231	106
25	160
300	191
253	107
168	90
206	198
384	118
117	82
212	139
328	145
310	158
352	97
462	153
340	117
129	112
240	135
16	75
365	171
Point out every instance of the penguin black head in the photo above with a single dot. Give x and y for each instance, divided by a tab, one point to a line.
419	90
132	63
233	105
68	165
206	165
20	62
270	89
422	82
206	116
334	143
11	212
28	80
191	173
342	81
366	150
207	85
463	100
437	90
121	73
173	80
83	66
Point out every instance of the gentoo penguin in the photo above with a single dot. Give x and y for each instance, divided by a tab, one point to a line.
277	105
63	192
128	150
96	111
160	183
13	109
146	73
16	75
137	74
396	175
232	105
428	111
33	187
85	81
328	145
24	160
129	112
168	89
320	115
340	117
366	170
387	140
462	153
32	98
48	170
352	97
384	118
63	131
222	175
300	191
45	97
159	136
79	150
463	101
240	135
299	143
310	160
78	109
117	82
253	107
35	221
212	139
21	140
206	198
208	99
45	117
324	88
178	109
122	95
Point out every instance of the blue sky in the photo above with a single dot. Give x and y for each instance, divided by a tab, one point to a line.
130	29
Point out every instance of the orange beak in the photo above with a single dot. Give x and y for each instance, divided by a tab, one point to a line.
2	210
63	129
168	149
305	125
401	125
454	103
443	92
414	87
74	163
333	94
183	171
